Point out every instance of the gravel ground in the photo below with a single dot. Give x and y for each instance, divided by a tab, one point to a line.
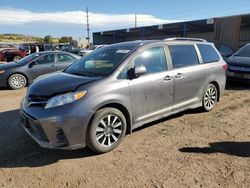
191	149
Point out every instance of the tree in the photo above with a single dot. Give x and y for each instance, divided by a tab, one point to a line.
65	39
48	39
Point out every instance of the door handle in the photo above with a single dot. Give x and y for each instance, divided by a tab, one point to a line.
179	75
168	78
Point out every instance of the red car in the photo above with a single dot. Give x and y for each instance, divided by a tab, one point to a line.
14	54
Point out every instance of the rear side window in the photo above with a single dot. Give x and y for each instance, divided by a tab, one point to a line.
183	55
208	53
153	59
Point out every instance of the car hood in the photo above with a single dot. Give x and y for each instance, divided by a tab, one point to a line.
57	83
9	65
239	61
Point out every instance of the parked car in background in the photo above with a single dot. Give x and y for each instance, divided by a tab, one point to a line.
25	49
72	49
239	64
120	87
18	74
93	48
6	46
225	51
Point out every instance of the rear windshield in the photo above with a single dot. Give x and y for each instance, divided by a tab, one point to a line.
100	62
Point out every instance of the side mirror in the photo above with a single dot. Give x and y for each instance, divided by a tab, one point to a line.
139	70
33	63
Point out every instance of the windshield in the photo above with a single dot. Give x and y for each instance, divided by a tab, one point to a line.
99	63
244	51
28	58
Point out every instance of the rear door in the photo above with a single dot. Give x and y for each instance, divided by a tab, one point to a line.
152	93
42	65
189	75
63	61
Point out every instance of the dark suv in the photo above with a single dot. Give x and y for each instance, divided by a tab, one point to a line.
120	87
15	54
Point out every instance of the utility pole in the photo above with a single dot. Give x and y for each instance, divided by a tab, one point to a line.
88	38
135	20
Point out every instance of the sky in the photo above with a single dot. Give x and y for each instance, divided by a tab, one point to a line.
68	17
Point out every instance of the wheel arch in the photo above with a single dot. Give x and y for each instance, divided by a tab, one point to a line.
120	107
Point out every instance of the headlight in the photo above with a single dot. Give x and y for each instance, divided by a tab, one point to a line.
2	71
67	98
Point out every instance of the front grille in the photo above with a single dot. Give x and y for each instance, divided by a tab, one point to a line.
33	127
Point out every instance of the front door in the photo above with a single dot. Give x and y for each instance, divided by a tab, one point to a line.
42	65
152	93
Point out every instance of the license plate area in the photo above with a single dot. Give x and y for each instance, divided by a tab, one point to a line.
241	75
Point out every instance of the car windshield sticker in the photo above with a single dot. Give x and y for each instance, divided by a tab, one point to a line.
122	51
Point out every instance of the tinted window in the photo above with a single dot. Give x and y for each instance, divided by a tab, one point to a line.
153	59
46	59
64	58
208	53
244	51
183	55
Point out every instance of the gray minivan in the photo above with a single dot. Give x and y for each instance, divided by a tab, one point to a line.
115	89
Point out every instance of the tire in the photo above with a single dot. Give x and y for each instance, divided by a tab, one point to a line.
107	130
16	58
210	98
17	81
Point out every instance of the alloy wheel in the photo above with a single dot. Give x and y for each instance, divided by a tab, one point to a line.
210	97
17	81
109	130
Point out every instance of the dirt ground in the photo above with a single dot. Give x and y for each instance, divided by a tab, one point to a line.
191	149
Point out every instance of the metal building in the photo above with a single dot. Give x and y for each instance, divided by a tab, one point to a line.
233	31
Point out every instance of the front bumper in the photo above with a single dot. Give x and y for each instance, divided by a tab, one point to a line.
62	127
3	80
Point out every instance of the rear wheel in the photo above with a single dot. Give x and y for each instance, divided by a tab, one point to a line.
210	97
107	130
17	81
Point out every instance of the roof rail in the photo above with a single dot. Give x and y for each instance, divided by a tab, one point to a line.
185	39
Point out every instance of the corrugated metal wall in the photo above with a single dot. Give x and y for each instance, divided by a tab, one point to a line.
244	37
209	36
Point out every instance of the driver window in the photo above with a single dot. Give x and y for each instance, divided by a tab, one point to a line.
153	59
46	59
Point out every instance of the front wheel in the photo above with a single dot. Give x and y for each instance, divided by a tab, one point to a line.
210	97
106	130
17	81
16	58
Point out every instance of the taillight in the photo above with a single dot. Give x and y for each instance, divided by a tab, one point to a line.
225	67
